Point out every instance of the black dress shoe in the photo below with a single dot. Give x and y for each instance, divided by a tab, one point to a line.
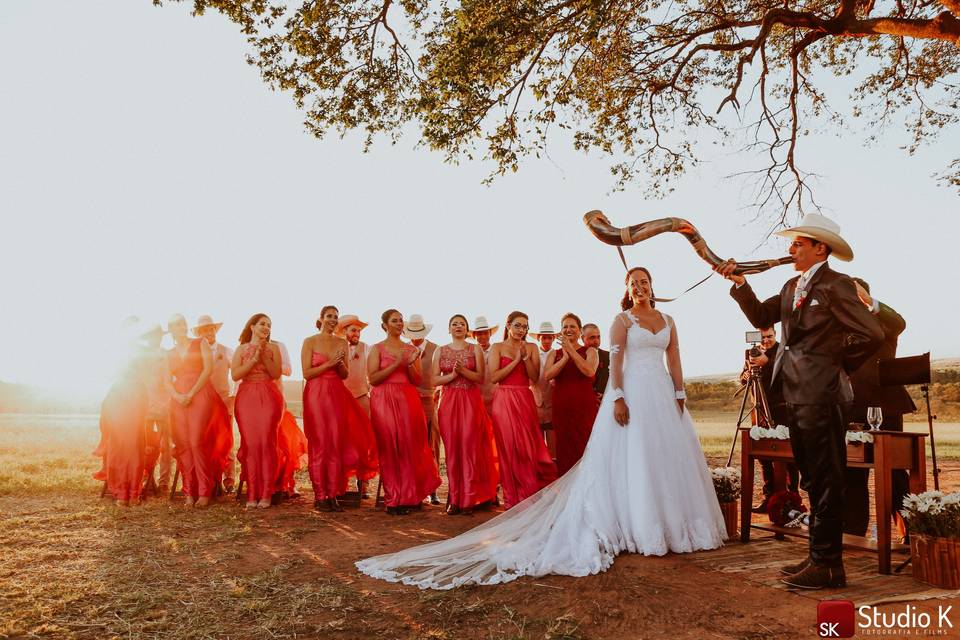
814	577
334	505
321	505
434	500
452	510
762	507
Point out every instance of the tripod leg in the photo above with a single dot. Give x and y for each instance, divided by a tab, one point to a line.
740	419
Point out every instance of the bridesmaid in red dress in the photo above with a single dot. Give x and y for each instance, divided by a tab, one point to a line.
407	467
525	463
574	400
339	436
465	427
200	424
123	437
258	407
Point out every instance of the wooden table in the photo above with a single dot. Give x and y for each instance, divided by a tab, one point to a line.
890	450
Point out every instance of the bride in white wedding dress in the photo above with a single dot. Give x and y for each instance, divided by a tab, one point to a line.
642	485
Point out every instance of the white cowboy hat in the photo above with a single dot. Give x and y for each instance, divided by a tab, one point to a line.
822	228
546	329
416	328
349	319
480	324
206	321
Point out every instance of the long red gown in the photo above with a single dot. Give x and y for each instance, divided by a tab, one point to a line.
574	410
123	439
258	408
467	434
340	439
525	463
202	435
407	467
292	444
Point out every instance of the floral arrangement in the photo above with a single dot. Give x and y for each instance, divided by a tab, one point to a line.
859	436
780	432
726	482
784	506
932	513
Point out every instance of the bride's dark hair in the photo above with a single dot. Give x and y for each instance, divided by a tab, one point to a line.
626	302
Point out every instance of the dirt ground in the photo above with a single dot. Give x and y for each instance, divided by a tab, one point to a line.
75	566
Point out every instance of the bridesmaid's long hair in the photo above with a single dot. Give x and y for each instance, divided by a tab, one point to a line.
510	318
247	334
626	302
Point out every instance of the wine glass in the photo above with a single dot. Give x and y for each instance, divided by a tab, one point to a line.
874	418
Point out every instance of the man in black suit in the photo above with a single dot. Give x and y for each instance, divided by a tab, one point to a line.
827	332
591	338
894	401
769	347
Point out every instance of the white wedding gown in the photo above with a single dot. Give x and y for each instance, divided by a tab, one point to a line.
643	488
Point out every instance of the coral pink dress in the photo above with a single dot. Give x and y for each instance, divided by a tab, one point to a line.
258	407
122	445
339	436
202	434
574	410
467	434
292	444
407	467
525	463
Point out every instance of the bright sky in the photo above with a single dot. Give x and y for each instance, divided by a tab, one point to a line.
146	169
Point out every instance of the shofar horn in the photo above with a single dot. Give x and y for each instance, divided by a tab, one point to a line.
601	228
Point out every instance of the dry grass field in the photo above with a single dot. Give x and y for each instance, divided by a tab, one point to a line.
75	566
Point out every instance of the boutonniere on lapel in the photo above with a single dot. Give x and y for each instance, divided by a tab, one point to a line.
799	298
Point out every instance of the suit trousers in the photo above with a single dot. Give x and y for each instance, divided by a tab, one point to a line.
857	514
817	435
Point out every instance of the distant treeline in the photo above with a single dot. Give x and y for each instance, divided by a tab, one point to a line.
944	396
701	396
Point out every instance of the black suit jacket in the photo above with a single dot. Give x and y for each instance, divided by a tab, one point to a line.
830	335
603	371
771	388
867	392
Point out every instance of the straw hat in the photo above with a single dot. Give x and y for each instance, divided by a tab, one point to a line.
416	328
546	329
349	319
481	324
822	228
206	321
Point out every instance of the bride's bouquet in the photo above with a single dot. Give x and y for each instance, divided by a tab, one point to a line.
726	482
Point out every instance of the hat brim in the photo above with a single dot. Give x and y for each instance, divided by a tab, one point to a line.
360	323
537	334
419	333
492	329
839	247
216	327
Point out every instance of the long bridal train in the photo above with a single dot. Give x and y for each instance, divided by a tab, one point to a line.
642	488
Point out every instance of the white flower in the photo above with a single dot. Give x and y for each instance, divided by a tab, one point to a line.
780	432
859	436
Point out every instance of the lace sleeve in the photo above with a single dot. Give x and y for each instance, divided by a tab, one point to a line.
618	343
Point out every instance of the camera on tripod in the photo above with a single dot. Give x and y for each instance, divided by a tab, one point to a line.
753	338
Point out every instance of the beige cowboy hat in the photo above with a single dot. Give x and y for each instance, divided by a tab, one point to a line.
822	228
349	319
480	324
416	328
206	321
546	329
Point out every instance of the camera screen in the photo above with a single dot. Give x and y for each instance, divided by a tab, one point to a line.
753	337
